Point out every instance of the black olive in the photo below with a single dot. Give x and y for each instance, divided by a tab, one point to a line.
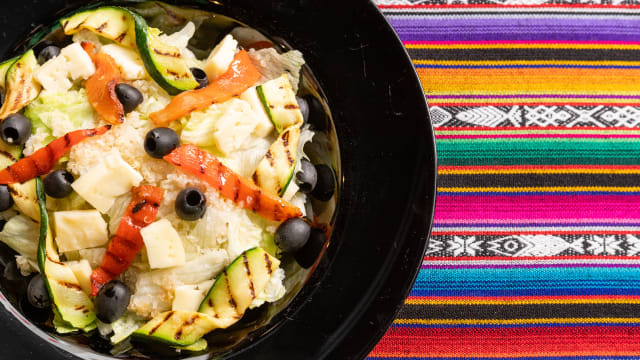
41	45
58	184
307	177
292	235
15	129
160	142
112	301
191	204
48	53
129	97
317	116
99	344
326	185
38	316
37	293
6	201
308	255
201	77
304	108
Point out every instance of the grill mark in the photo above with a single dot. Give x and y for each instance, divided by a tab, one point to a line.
169	54
35	165
291	107
232	301
121	36
256	202
289	157
21	88
78	307
101	27
50	155
236	189
54	261
79	25
255	178
210	302
269	157
285	138
69	285
15	176
115	257
166	318
128	243
67	140
202	169
138	206
267	260
85	311
66	23
189	322
245	261
6	154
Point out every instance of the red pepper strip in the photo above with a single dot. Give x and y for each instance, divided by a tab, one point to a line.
243	192
127	242
240	76
43	160
101	86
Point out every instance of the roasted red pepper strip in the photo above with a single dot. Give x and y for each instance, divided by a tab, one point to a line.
101	86
243	192
240	76
127	242
43	160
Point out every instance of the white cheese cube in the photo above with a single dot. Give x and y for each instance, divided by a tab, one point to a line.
234	126
264	126
79	229
82	270
79	63
53	74
163	244
129	62
187	298
103	183
221	57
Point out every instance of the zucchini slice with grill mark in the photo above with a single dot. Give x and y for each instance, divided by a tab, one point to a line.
73	305
4	68
279	101
21	88
24	195
275	171
229	297
111	22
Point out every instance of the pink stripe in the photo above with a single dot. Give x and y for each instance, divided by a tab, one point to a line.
516	42
504	136
600	207
500	221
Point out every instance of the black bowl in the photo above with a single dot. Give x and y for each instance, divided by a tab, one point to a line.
388	174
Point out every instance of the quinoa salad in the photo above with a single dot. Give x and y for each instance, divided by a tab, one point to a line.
151	190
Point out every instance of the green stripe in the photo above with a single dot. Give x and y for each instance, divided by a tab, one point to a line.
561	151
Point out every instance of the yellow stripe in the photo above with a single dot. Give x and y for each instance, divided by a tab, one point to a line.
536	171
519	301
524	46
514	321
526	62
541	189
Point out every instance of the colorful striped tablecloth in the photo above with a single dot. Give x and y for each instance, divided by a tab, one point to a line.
535	251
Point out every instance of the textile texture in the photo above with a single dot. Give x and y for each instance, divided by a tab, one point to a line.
535	250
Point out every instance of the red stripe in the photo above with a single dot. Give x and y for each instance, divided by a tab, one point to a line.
508	342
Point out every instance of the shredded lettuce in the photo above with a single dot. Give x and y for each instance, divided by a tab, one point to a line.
272	64
125	326
21	234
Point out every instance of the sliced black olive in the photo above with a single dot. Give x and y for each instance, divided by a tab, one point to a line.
307	177
304	108
317	116
160	142
310	252
99	344
48	53
15	129
58	184
292	235
326	185
129	97
112	301
37	293
6	201
191	204
201	77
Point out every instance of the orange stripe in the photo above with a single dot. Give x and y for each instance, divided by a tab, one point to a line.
528	80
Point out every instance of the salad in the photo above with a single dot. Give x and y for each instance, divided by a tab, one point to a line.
154	189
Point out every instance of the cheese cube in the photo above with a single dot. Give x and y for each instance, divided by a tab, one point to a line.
234	126
187	298
79	229
82	270
103	183
163	244
129	62
53	74
221	57
264	126
79	64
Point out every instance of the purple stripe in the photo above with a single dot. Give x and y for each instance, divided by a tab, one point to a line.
529	266
487	29
500	96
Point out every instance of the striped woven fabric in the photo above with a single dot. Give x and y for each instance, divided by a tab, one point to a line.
535	250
